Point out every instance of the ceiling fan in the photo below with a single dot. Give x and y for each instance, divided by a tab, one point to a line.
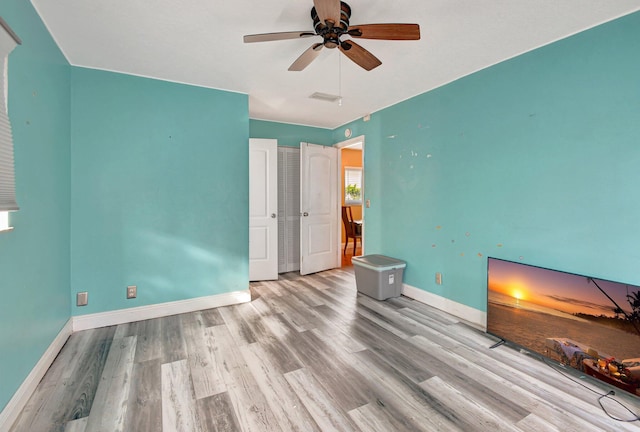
331	22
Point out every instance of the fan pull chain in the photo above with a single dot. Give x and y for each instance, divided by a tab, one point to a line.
340	78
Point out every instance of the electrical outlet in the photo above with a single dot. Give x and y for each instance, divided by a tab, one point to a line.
82	298
439	278
132	291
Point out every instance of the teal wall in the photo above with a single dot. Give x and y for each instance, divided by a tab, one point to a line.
159	195
534	160
34	257
290	135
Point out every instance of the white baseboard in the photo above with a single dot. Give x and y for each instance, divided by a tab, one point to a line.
103	319
472	316
10	413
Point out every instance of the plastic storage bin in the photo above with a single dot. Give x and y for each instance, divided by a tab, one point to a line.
378	276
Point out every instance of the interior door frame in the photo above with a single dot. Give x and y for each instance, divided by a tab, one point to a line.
342	145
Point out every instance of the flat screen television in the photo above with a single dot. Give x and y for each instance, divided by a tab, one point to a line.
590	324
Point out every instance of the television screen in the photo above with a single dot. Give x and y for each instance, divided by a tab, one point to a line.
590	324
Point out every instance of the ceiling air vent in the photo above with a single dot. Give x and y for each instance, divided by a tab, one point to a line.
325	97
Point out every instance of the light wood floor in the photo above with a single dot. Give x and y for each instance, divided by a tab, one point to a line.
309	354
348	254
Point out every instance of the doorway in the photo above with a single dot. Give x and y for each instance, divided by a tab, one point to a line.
352	195
317	210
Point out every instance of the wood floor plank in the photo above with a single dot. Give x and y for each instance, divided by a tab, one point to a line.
144	406
370	418
533	423
382	320
391	404
284	358
424	309
401	322
238	327
335	298
292	311
126	329
262	307
272	289
179	411
173	343
110	405
78	425
432	328
480	376
205	366
278	326
250	405
318	403
452	369
211	317
466	408
424	407
216	413
253	318
303	294
392	349
206	374
332	334
339	378
149	345
284	403
303	314
73	380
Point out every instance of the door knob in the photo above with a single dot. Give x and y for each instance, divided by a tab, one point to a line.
273	215
305	214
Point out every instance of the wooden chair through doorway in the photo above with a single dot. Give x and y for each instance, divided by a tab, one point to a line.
350	230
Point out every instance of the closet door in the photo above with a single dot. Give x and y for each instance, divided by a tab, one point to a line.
319	248
288	209
263	202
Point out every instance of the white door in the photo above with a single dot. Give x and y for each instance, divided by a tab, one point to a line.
263	208
318	208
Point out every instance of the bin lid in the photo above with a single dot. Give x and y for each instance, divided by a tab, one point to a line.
378	262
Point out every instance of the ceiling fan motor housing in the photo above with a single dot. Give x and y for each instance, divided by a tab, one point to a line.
331	31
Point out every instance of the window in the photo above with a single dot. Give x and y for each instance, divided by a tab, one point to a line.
8	41
352	186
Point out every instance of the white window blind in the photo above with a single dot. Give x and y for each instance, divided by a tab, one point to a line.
8	41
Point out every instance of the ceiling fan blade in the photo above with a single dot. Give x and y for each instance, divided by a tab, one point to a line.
386	31
328	10
359	55
306	58
266	37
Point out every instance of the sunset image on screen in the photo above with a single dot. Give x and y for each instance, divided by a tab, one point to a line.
565	316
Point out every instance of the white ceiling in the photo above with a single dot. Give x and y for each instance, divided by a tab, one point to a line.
200	42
